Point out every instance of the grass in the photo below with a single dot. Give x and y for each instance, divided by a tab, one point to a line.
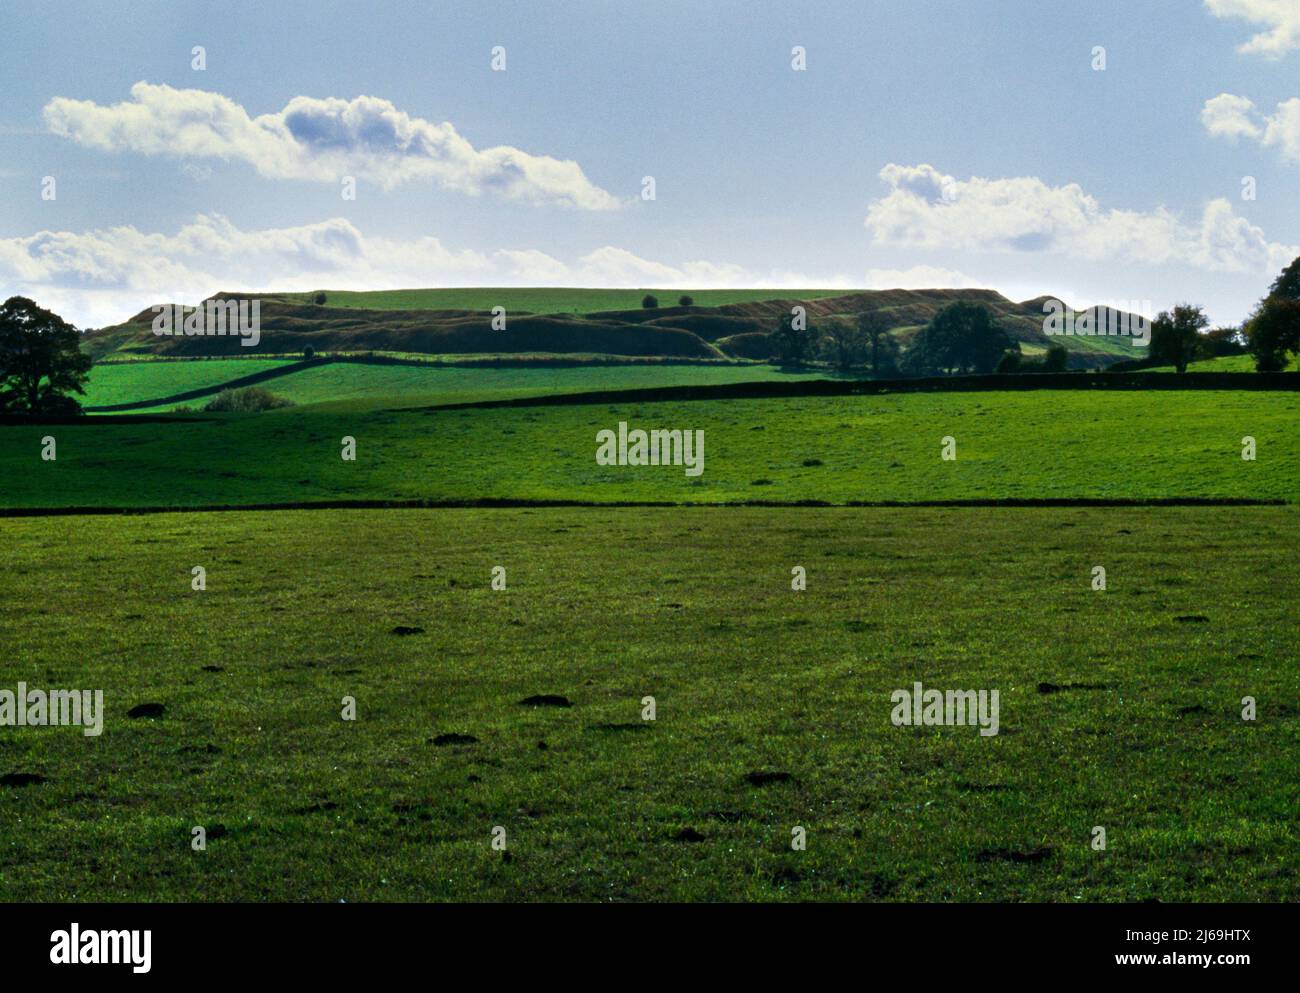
413	386
1225	363
1022	445
693	607
127	382
546	300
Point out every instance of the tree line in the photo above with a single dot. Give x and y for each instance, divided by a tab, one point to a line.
966	337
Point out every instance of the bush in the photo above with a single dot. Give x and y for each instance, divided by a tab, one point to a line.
309	353
249	400
1056	359
319	299
686	301
649	302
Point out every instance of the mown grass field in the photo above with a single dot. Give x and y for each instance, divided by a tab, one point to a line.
1142	734
1043	444
546	300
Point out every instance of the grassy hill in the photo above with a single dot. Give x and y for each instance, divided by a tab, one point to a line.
722	324
535	300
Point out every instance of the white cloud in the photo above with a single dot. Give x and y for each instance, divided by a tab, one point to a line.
102	277
928	209
320	141
1280	18
1231	116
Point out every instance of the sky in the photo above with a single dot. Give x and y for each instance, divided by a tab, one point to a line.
1136	152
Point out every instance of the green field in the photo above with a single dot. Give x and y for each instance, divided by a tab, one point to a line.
413	386
693	607
545	300
127	382
1225	363
1023	445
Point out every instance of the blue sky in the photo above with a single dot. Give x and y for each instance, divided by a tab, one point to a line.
926	143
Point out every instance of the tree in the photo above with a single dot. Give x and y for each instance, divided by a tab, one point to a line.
1223	341
319	298
649	301
41	361
845	345
686	301
1176	336
1274	328
883	346
308	353
1274	332
1056	359
792	344
961	338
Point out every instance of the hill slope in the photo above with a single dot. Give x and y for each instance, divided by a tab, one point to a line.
736	329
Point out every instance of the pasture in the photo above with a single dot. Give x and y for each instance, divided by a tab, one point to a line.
1064	445
1119	709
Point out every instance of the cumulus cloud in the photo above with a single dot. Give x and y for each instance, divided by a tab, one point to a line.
101	277
1280	18
320	140
928	209
1229	116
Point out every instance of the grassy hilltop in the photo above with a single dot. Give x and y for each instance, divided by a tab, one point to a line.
719	325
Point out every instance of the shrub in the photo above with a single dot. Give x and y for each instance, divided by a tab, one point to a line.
1056	359
686	301
649	301
249	400
319	299
309	353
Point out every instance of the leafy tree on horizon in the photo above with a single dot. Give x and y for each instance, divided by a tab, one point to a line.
791	345
1057	358
1274	328
649	302
845	345
961	338
1176	335
41	361
882	344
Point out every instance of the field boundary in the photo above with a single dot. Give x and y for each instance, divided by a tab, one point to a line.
1254	381
511	503
486	362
